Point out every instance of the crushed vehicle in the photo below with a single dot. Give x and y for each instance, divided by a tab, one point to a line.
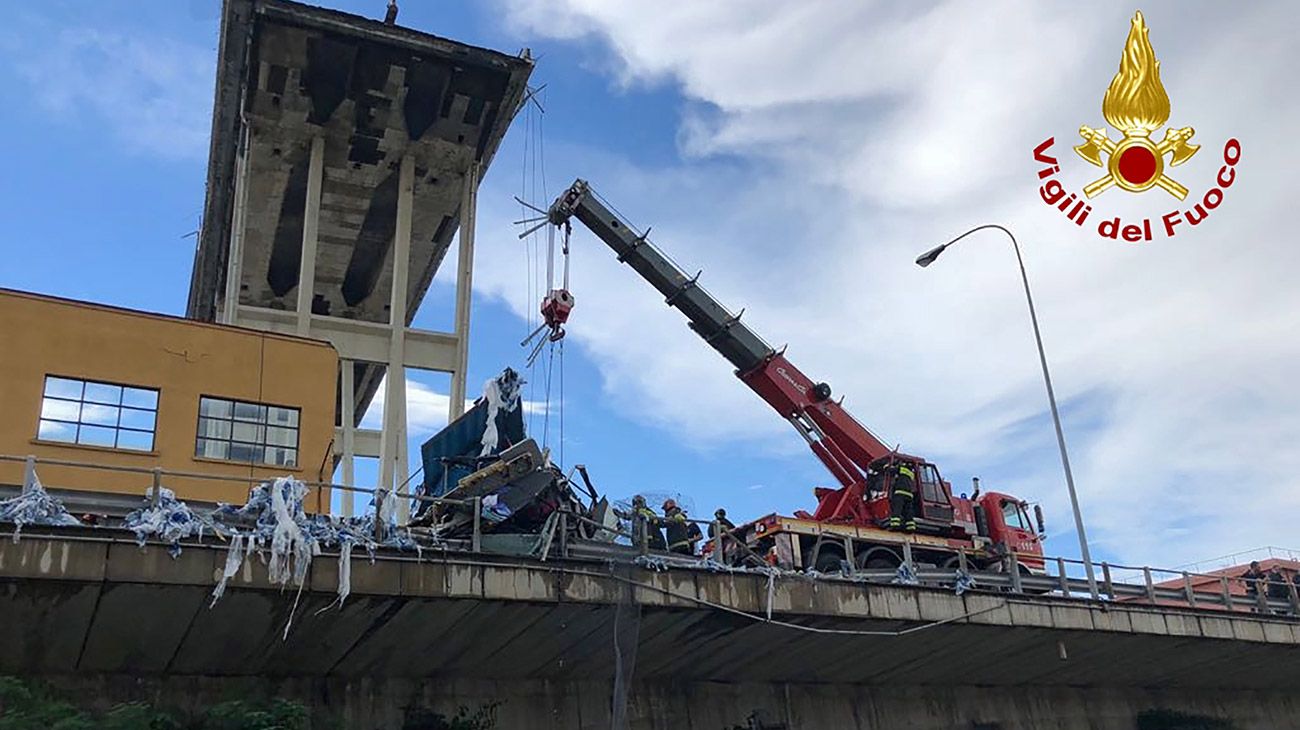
484	476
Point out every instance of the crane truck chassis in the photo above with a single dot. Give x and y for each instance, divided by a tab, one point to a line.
847	524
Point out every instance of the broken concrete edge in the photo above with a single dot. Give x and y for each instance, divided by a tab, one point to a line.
799	603
235	43
376	31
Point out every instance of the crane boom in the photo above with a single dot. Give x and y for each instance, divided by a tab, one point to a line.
721	329
844	445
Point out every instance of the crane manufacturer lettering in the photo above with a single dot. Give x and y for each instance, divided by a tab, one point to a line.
801	388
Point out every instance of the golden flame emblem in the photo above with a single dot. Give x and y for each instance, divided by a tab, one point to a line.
1136	104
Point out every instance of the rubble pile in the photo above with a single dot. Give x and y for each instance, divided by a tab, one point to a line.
484	461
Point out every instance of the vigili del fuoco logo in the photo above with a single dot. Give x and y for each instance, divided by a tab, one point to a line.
1136	105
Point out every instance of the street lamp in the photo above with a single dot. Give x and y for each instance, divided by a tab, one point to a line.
928	258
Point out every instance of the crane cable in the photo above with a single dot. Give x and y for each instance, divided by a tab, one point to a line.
530	243
533	176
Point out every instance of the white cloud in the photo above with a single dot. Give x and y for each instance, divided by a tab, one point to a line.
825	144
152	94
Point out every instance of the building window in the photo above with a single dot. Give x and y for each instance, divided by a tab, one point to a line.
248	432
98	414
930	490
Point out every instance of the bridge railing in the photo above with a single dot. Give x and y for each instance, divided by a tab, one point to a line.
1154	586
151	486
1061	576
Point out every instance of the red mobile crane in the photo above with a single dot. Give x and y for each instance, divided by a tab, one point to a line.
846	525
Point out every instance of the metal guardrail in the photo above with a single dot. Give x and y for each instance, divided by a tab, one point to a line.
1241	557
728	547
1055	580
157	474
1078	588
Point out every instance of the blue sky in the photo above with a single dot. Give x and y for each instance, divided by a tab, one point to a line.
108	218
802	158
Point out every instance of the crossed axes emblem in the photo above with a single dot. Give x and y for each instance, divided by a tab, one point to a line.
1095	142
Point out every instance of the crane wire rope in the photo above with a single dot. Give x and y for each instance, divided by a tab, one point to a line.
531	174
538	177
523	215
561	405
546	417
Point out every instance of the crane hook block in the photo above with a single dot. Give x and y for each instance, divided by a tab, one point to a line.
556	306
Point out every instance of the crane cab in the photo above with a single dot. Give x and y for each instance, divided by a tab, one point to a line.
935	510
1009	525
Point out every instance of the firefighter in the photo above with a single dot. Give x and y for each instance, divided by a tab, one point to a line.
720	522
1277	589
654	535
681	536
1253	578
902	500
724	526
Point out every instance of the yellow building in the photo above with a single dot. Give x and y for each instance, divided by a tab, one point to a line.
82	382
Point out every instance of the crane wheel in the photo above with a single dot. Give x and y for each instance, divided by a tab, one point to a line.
879	558
821	392
828	561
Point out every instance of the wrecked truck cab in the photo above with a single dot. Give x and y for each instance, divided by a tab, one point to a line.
473	441
488	483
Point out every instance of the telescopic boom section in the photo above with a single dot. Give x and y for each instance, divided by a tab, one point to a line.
844	445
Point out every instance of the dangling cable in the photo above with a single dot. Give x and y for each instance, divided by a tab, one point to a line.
529	248
568	230
550	258
541	150
546	419
556	303
561	405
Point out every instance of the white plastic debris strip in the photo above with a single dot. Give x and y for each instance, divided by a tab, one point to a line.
34	506
345	572
274	525
234	560
502	395
168	520
291	550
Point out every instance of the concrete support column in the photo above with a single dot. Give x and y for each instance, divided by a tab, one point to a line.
310	230
464	290
235	255
347	423
394	431
403	468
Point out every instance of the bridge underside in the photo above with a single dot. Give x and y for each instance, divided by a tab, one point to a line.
665	705
289	74
455	629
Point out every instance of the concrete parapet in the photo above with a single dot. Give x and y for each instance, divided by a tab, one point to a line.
76	604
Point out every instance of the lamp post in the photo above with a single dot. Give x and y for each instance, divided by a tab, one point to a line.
928	258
